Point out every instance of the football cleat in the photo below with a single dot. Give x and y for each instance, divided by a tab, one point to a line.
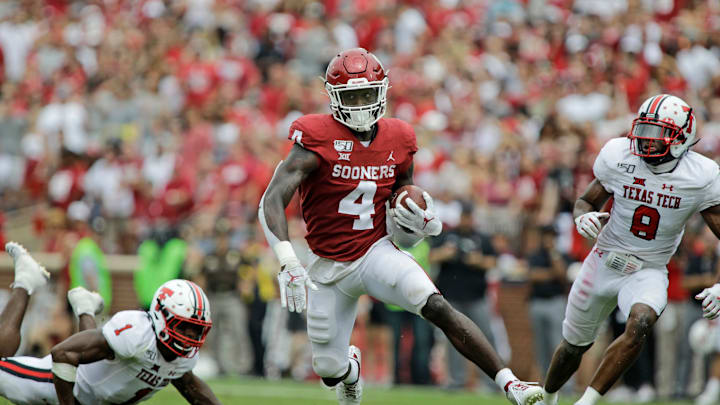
351	394
83	301
524	393
707	397
29	274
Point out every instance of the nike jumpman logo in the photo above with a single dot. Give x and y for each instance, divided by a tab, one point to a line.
390	157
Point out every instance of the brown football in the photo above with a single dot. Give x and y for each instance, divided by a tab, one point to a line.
414	192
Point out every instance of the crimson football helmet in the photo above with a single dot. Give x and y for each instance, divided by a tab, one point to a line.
180	313
664	129
357	85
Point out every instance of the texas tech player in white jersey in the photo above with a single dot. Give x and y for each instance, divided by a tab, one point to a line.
649	211
656	184
138	370
131	357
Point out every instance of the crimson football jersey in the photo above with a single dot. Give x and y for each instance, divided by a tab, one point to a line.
343	200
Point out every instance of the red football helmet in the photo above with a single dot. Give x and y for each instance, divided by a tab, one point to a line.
357	85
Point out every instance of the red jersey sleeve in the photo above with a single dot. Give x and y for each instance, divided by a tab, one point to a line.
307	132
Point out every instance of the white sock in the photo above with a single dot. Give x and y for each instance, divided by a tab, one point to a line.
590	397
713	387
504	377
354	373
551	398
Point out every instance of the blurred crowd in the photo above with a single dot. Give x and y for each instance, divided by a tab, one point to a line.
149	119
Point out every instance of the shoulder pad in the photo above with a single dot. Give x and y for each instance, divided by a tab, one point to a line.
129	333
310	131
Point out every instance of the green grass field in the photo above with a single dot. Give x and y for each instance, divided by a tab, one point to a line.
257	391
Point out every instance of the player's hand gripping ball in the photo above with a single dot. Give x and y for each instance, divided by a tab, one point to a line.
413	210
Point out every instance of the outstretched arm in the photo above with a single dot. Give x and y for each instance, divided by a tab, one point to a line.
712	219
194	390
292	279
288	175
711	296
83	347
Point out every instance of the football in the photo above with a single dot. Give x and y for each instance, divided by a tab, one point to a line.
413	192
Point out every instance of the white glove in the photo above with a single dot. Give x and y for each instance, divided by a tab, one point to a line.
710	301
293	279
423	222
589	225
398	235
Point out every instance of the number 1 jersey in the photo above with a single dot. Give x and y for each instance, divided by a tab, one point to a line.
138	370
343	200
650	210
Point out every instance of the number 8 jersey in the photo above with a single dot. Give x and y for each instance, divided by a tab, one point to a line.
650	210
343	200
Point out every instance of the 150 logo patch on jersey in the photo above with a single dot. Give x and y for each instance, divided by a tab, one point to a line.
629	168
343	146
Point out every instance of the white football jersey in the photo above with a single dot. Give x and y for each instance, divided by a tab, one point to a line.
138	370
650	210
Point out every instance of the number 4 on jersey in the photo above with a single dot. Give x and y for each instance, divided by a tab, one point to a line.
364	209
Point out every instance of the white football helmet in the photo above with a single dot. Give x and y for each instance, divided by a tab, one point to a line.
703	336
664	129
180	312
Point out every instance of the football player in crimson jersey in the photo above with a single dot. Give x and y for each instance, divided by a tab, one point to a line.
656	184
346	166
134	355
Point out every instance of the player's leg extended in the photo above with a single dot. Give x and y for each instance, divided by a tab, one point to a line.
27	380
29	275
711	393
392	276
623	352
331	316
85	305
592	298
642	297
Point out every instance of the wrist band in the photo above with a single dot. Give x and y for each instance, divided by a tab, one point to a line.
64	371
285	253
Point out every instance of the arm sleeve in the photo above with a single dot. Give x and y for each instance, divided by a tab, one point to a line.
711	193
301	135
127	335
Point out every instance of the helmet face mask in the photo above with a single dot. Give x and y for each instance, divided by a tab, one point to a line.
181	317
663	131
652	138
357	85
185	335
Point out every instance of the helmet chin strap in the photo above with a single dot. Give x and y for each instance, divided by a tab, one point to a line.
663	165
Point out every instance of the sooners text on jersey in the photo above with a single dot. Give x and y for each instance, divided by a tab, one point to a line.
343	201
